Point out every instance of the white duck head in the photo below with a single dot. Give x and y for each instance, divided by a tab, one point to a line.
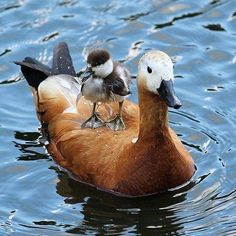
155	73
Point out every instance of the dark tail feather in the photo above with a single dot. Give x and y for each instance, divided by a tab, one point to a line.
40	65
62	62
34	71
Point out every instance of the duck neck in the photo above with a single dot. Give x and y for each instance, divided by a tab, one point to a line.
153	115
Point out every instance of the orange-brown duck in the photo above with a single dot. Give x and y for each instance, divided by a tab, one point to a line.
145	158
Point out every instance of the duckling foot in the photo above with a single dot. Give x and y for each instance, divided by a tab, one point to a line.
116	124
93	122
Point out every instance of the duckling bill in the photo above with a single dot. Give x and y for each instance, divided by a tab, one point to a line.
105	81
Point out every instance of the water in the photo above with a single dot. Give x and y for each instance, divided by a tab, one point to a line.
37	198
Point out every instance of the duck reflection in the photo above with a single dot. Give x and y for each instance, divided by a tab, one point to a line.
28	143
108	214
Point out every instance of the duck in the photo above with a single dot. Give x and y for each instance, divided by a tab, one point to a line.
144	159
105	80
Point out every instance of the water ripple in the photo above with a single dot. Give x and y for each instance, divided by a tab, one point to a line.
200	37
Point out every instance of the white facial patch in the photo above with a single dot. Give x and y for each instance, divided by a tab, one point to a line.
160	68
103	70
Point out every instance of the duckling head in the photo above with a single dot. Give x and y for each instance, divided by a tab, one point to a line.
155	74
99	63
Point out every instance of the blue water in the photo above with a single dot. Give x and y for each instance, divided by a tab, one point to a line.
37	198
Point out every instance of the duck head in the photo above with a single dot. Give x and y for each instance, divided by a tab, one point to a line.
155	74
99	63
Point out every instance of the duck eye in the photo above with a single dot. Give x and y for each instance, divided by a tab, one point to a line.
99	63
149	70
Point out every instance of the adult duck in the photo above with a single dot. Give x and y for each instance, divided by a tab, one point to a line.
145	158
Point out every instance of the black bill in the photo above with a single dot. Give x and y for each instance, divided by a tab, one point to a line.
87	73
167	92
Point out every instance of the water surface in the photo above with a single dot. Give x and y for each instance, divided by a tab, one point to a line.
37	198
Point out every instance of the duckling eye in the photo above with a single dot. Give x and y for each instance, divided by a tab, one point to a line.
99	63
149	70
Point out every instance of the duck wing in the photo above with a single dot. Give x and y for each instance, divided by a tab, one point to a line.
34	71
62	61
116	85
60	91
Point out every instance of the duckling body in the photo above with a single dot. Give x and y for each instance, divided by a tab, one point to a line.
145	158
114	87
107	81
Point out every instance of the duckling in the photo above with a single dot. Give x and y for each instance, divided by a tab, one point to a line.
105	80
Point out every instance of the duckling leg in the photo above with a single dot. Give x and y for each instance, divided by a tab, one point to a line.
117	123
94	121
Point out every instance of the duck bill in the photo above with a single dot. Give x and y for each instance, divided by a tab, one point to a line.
87	73
167	93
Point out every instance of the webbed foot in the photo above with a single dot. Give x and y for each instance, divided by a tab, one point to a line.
116	124
93	122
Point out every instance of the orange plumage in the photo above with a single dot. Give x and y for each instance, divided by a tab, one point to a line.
145	158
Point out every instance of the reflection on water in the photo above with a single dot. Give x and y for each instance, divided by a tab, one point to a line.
119	215
39	198
30	146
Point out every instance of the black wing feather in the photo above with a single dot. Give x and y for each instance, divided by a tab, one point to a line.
62	62
116	86
34	71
